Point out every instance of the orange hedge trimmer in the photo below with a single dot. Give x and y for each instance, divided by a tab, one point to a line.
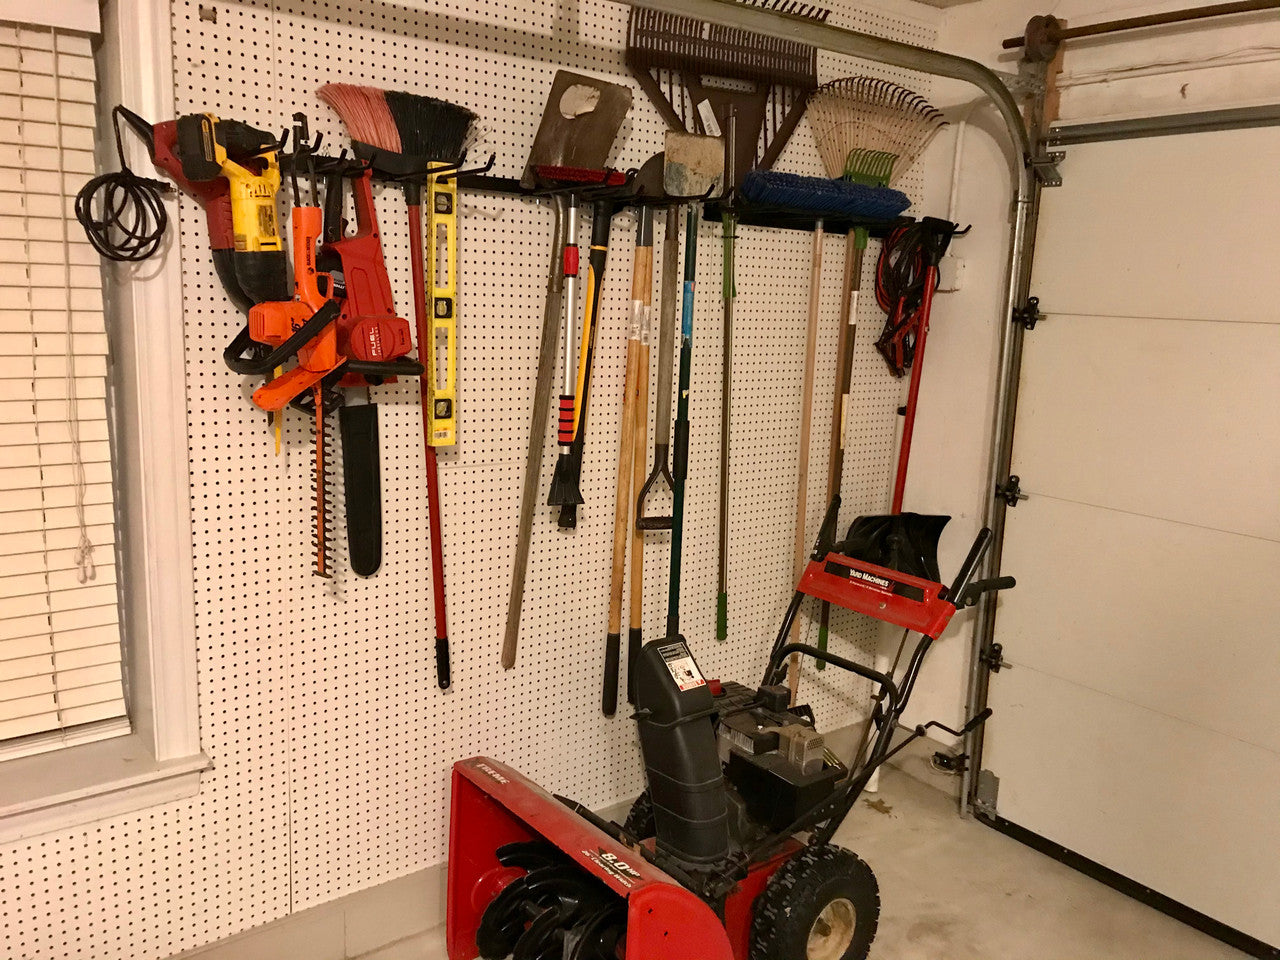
274	322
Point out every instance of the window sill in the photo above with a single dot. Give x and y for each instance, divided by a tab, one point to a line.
78	785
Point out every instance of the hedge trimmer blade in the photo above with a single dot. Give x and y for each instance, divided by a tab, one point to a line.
321	466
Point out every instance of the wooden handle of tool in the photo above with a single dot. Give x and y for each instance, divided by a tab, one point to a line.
642	275
640	438
854	245
849	290
800	553
621	515
622	505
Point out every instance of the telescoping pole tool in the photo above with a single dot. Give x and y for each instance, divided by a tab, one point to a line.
602	211
564	484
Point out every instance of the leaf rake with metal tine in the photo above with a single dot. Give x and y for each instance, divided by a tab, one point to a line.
870	131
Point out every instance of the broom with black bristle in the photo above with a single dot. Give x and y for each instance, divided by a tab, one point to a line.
402	136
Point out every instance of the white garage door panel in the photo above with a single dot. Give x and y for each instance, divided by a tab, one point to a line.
1140	724
1168	418
1140	206
1173	617
1198	814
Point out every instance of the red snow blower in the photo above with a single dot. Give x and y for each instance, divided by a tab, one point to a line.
727	855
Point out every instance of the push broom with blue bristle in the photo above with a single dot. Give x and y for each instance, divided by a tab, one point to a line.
869	132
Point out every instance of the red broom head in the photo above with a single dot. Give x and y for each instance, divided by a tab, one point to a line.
365	112
557	174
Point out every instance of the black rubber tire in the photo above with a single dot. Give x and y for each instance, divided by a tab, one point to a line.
640	823
798	893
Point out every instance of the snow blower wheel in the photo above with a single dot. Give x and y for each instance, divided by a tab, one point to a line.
727	854
824	904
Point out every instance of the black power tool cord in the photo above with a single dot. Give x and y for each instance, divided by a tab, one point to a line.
131	219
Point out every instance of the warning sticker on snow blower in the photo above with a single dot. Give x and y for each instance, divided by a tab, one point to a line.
680	662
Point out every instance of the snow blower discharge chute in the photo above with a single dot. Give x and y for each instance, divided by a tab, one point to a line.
727	855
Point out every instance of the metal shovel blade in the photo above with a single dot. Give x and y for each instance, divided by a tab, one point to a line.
694	166
579	124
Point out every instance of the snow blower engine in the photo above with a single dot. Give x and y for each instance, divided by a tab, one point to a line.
727	855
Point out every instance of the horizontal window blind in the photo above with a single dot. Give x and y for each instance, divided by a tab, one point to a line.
60	653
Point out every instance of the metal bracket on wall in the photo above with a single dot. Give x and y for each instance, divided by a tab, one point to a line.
1021	84
1045	168
994	658
1011	491
1029	313
984	800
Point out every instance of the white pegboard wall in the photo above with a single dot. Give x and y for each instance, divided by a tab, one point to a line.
330	739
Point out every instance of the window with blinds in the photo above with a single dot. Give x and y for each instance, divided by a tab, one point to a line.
60	651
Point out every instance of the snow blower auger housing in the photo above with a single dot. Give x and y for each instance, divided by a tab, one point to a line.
727	855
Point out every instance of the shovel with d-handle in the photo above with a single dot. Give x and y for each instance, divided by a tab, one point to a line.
694	166
578	127
691	170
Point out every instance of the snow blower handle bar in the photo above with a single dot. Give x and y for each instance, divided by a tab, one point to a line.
979	587
955	593
776	672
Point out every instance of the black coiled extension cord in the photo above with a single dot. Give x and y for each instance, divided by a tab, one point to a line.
900	279
131	220
908	255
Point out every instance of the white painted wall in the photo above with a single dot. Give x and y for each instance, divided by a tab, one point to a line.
1199	66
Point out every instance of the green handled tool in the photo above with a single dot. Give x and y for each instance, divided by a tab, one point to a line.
728	292
680	455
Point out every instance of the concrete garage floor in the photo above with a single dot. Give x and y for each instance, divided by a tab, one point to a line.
952	889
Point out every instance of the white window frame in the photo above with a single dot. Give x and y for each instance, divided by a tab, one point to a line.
160	760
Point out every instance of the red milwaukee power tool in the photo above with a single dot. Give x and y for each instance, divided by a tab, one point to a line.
369	332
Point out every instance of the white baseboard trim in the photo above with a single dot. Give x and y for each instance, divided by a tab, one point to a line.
350	926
